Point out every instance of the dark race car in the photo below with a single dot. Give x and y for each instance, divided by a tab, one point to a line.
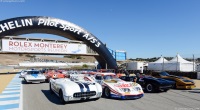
149	83
180	81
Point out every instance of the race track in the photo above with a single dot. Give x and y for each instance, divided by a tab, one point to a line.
38	97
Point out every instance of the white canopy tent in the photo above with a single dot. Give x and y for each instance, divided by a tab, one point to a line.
176	64
158	65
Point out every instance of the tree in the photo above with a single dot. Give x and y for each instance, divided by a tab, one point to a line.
85	66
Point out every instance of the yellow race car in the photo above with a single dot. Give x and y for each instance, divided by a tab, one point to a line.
180	82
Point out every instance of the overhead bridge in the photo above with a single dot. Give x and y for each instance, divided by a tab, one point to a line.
49	25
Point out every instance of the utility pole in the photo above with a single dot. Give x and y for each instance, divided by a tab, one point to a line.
177	63
193	64
163	63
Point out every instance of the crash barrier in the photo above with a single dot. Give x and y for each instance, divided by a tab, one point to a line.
192	75
9	71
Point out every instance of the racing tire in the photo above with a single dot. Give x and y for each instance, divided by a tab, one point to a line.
61	97
51	91
47	80
149	87
107	92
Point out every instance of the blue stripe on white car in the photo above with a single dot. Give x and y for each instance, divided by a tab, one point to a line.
10	97
87	87
34	75
81	86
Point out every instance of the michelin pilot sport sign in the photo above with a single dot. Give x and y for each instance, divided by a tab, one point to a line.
14	24
42	47
49	25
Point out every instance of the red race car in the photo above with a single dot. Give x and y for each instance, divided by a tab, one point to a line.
54	74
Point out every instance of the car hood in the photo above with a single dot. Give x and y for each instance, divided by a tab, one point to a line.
124	87
34	76
160	80
78	86
184	79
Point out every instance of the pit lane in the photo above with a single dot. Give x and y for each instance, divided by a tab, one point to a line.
38	97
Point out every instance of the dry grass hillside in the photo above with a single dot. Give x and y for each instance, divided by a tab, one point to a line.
15	59
11	59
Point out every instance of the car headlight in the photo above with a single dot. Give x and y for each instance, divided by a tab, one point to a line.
137	88
99	94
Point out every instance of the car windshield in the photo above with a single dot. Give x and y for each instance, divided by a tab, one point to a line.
33	72
110	77
164	74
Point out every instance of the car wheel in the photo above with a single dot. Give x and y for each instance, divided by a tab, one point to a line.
61	97
107	92
149	87
47	80
51	91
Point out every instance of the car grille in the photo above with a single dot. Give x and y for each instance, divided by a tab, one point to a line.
35	80
84	94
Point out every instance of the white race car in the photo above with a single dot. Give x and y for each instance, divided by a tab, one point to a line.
75	88
117	88
34	76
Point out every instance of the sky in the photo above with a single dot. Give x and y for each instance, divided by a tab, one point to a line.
142	28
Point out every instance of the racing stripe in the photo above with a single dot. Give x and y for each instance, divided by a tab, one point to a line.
81	86
34	75
87	86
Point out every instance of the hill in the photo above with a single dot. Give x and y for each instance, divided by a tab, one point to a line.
15	59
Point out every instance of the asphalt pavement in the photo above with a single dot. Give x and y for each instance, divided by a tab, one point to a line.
38	97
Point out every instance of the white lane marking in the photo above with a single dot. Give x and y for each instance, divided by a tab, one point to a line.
14	83
13	109
11	91
7	96
21	97
11	88
7	102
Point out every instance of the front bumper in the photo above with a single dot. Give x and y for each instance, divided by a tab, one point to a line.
35	80
128	96
186	87
71	98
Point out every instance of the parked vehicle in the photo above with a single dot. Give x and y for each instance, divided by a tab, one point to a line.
153	84
113	87
54	74
34	76
75	88
180	81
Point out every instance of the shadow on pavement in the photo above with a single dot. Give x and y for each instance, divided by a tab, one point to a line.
55	99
